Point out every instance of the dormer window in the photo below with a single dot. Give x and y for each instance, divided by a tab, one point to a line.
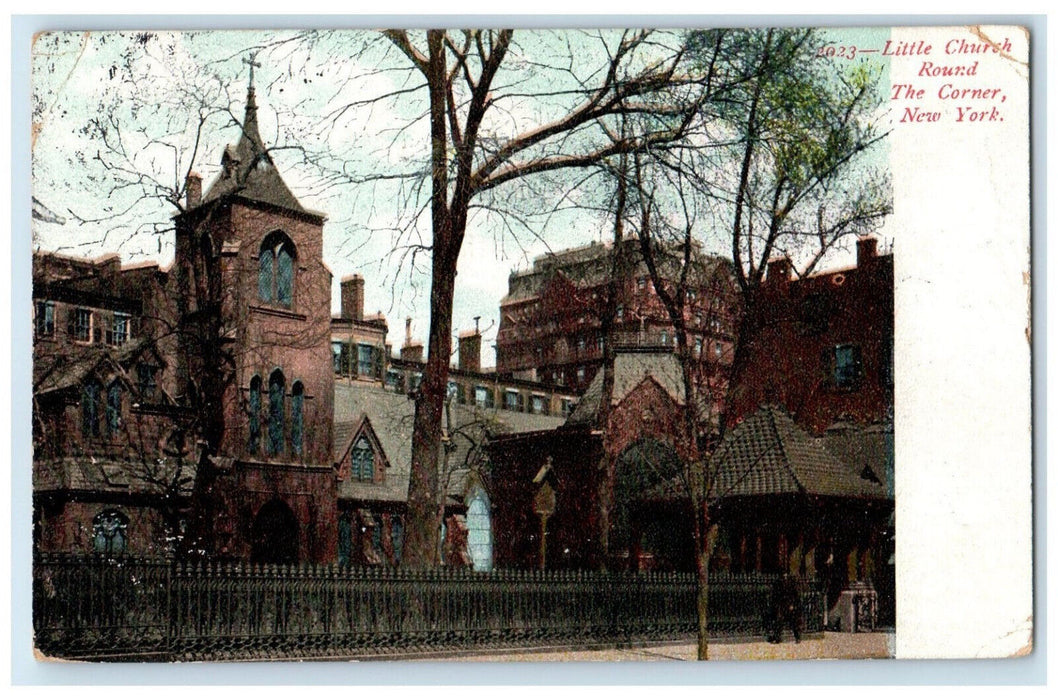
275	276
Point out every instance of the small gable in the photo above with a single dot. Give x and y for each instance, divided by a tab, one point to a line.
360	453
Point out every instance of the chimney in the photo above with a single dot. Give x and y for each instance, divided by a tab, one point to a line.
411	350
194	190
470	348
353	297
109	264
779	270
866	250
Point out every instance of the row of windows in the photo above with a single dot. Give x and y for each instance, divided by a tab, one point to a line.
356	360
275	441
83	326
559	377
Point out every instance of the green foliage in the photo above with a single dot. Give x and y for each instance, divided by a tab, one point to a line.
798	125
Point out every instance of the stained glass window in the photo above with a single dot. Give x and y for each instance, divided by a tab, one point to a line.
91	398
363	460
265	274
110	532
345	539
396	534
276	413
114	408
297	407
255	415
285	276
275	273
479	531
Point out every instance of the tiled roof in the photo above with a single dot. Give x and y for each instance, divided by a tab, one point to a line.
87	473
867	450
768	454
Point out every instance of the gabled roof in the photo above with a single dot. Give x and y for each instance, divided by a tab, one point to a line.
391	417
630	370
248	171
59	372
768	454
67	371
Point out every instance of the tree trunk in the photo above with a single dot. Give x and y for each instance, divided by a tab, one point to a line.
702	556
748	335
423	525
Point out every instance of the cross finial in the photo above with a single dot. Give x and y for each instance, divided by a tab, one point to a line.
252	61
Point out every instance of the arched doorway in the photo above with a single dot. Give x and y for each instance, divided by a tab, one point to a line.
275	534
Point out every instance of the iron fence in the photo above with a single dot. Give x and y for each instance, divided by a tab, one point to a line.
86	607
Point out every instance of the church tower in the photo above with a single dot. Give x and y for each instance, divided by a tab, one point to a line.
253	305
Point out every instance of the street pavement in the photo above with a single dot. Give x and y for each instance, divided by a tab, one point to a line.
830	645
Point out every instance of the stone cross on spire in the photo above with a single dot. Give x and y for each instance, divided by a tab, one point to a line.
252	61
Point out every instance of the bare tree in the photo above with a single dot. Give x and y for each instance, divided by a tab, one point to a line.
638	73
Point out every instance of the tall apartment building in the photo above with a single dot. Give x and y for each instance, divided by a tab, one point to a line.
551	321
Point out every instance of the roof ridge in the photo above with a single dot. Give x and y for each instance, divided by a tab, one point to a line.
780	439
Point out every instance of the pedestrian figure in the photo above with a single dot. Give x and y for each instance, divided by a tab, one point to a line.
784	608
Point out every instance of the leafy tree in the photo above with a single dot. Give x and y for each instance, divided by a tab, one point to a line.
783	173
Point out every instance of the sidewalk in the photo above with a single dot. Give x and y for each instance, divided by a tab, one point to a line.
832	645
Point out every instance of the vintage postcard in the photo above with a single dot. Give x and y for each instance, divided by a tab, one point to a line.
486	344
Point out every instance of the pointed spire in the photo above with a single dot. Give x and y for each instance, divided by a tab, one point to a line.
250	145
248	170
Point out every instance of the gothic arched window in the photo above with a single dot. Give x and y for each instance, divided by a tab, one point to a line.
110	532
363	460
297	416
275	271
114	408
276	412
255	415
91	408
479	531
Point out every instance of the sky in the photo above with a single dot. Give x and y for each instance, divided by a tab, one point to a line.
322	98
